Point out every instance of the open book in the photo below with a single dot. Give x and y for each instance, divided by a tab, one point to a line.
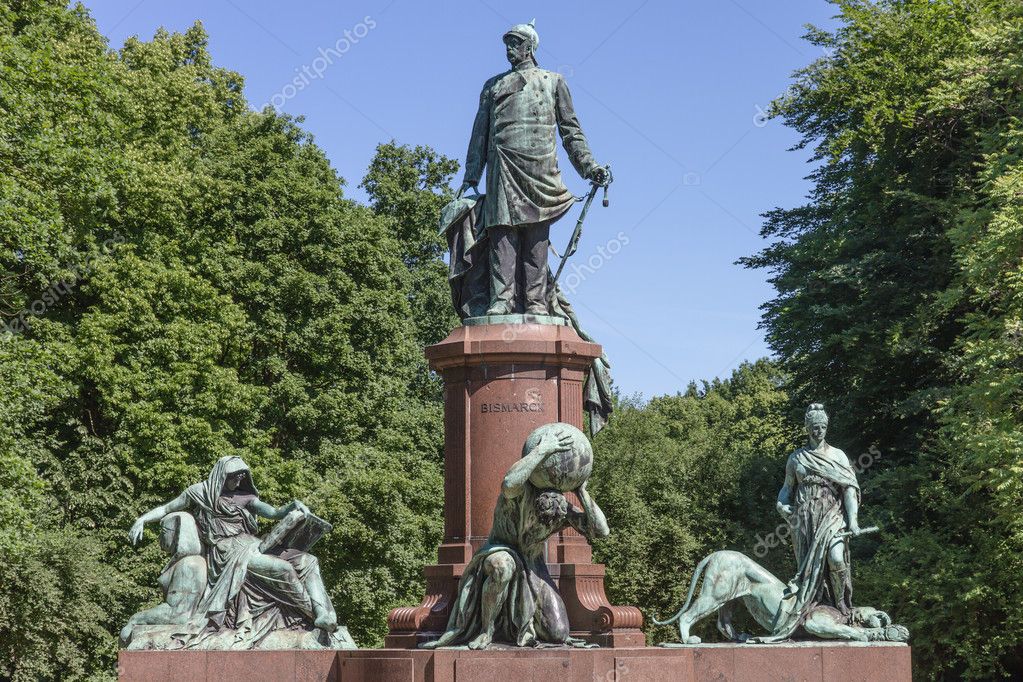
294	531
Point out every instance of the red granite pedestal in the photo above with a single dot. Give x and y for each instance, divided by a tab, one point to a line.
802	662
501	381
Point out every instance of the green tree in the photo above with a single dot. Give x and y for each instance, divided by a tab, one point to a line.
898	304
683	476
185	279
408	186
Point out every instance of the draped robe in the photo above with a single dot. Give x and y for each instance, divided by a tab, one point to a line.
532	599
239	599
819	516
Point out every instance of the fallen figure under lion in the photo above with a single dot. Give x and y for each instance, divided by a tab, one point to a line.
732	577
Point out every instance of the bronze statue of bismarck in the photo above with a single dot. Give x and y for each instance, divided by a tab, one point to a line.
514	137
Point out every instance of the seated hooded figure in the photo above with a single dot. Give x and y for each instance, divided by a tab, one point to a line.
250	594
506	592
183	582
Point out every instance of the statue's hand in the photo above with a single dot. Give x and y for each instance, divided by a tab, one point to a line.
598	175
464	188
135	534
785	510
555	441
854	529
300	506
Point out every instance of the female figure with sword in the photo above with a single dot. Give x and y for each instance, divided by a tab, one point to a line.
820	499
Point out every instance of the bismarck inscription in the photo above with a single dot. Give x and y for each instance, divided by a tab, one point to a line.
511	407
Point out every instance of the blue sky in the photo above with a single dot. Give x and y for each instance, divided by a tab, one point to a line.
669	93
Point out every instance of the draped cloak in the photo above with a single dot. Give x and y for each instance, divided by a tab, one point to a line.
819	517
252	605
514	136
518	531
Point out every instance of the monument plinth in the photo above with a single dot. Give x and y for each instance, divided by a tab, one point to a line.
809	661
502	381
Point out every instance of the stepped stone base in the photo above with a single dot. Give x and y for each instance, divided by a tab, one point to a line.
805	661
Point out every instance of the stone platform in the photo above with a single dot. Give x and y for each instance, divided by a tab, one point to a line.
797	662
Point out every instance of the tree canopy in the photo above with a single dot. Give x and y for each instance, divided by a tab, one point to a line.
899	302
183	278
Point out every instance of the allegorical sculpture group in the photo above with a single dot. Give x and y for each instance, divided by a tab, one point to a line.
820	502
228	586
506	592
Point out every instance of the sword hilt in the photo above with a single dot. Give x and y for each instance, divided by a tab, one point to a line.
607	184
863	531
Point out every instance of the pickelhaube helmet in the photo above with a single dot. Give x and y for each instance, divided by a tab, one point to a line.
525	31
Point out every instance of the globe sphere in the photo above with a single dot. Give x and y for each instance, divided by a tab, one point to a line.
561	471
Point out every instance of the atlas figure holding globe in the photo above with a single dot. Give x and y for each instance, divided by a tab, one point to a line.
506	593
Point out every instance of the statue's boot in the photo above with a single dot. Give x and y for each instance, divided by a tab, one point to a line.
504	247
534	241
838	587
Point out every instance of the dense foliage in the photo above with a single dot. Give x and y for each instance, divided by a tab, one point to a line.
900	303
184	279
682	476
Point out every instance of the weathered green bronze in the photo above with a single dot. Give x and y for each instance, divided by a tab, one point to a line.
227	588
820	503
820	500
731	576
506	593
514	138
499	241
183	582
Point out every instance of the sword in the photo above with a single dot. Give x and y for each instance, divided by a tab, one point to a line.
573	242
863	531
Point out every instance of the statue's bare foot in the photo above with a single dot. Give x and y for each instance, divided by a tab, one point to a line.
326	622
482	641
